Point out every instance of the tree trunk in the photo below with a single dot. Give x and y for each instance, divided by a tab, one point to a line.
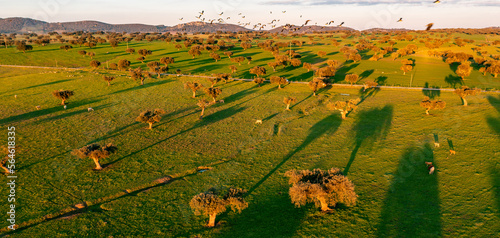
150	125
279	86
194	94
97	165
142	82
314	93
288	106
324	205
202	111
109	84
427	111
343	113
465	101
63	102
211	220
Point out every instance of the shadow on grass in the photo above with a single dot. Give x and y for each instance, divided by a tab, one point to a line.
342	71
146	85
366	74
73	113
44	84
373	125
493	122
272	216
44	112
412	204
495	177
431	92
207	120
329	124
453	80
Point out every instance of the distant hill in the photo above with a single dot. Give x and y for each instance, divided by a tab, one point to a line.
27	25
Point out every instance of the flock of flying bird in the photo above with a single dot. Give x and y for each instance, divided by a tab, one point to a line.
273	23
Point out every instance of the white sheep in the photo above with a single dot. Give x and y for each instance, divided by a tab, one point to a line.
64	106
436	144
90	109
258	122
38	107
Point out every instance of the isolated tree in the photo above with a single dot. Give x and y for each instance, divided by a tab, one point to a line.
215	56
150	117
123	64
258	81
326	72
246	45
352	78
464	70
257	70
288	101
344	106
194	52
316	84
249	59
137	74
203	103
295	62
22	46
407	65
63	95
369	84
95	152
307	66
108	79
113	66
466	91
228	53
83	53
178	47
167	60
153	65
324	188
278	80
238	59
65	47
130	50
215	201
233	68
91	54
144	52
321	54
332	63
194	86
273	65
95	64
213	92
113	43
430	105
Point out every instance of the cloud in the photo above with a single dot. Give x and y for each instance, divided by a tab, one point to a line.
494	3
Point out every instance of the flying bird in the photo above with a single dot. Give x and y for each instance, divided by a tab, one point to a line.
284	11
307	22
181	18
300	16
329	23
243	17
341	24
221	13
429	26
239	14
228	18
437	1
201	13
400	19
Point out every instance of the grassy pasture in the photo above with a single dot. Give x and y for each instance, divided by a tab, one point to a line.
382	147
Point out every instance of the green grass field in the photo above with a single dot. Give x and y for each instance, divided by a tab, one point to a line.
382	146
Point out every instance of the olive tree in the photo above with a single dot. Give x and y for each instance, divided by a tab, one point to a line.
63	95
258	81
108	79
288	101
257	70
215	201
352	78
194	86
203	103
324	188
466	91
278	80
429	105
95	64
150	117
95	152
344	106
213	92
316	84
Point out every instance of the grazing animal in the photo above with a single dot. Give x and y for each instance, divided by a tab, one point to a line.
38	107
90	109
221	101
430	167
258	122
436	145
452	152
15	96
64	106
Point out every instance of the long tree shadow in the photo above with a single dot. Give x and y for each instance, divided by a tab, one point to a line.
43	84
412	204
366	74
272	216
493	122
73	113
146	85
210	119
329	124
431	92
44	112
373	125
453	80
342	71
495	176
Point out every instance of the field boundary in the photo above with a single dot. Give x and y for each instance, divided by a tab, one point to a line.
251	80
97	203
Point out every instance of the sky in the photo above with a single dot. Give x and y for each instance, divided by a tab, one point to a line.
359	15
